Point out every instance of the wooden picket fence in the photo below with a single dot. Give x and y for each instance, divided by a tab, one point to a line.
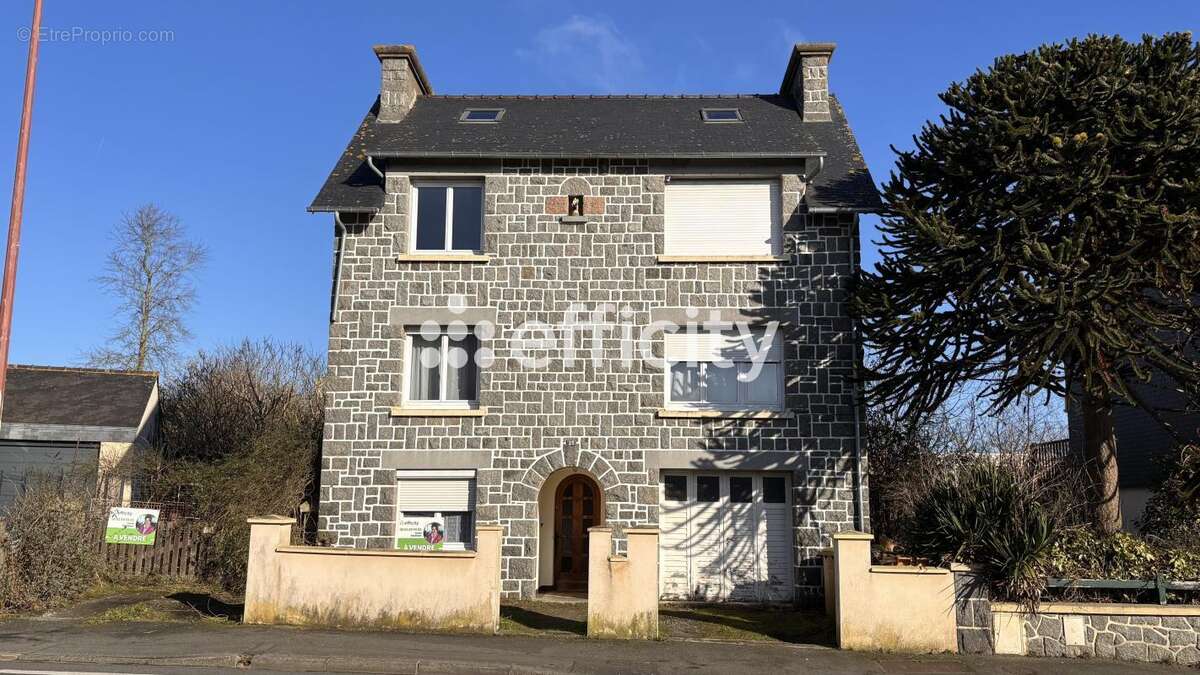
178	551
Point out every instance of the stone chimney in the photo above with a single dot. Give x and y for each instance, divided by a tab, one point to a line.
403	80
807	79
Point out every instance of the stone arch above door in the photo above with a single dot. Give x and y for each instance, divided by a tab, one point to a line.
585	460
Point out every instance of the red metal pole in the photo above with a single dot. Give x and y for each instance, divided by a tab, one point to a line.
18	201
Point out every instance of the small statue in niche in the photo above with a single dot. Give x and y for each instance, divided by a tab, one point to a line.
575	205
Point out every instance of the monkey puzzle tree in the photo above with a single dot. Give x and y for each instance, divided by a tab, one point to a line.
1044	236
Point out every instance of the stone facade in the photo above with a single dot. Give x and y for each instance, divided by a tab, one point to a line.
1144	633
1150	639
598	416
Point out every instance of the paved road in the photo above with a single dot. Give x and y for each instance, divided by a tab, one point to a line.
171	648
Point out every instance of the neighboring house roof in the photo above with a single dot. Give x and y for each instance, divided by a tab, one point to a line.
616	127
1143	445
45	395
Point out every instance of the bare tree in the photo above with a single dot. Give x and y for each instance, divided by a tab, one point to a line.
150	273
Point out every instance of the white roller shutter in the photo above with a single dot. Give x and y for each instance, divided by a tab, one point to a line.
418	491
710	346
729	217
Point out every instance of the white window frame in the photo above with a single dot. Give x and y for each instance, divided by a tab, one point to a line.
448	227
452	474
465	117
744	403
705	112
443	368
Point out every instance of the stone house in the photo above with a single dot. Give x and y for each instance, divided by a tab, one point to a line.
513	336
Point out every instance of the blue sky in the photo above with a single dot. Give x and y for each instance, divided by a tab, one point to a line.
234	118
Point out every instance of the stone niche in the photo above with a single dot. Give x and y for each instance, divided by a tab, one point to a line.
574	202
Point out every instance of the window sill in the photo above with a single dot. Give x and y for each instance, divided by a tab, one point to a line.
401	411
677	413
673	259
443	257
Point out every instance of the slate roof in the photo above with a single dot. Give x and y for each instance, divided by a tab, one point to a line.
76	396
651	127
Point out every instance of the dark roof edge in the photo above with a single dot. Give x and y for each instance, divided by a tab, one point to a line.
80	369
595	97
331	208
843	209
576	155
800	50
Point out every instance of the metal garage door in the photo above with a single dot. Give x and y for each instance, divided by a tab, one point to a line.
19	459
726	536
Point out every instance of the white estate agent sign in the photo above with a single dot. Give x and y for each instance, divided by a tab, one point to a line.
131	526
424	533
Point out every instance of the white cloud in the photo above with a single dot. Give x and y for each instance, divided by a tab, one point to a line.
587	50
790	35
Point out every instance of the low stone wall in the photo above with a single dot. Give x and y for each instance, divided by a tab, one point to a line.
1146	633
891	608
623	590
309	585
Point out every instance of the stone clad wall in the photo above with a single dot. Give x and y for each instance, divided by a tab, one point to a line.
1144	633
1152	639
596	416
973	613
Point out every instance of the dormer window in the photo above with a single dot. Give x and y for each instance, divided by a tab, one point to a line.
482	115
721	115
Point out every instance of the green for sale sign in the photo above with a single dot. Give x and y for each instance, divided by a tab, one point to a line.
131	526
419	534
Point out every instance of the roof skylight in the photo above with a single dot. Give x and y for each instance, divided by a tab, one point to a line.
482	115
721	114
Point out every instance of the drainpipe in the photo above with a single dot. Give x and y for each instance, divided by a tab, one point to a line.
858	474
340	230
820	167
371	165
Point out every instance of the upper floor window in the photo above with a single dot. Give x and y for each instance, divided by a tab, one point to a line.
717	371
723	217
447	216
481	115
443	369
721	115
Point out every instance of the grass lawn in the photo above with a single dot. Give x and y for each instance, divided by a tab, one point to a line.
151	599
677	621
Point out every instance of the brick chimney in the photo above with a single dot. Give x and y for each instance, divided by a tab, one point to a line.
807	79
403	80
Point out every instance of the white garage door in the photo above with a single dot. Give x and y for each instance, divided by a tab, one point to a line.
726	537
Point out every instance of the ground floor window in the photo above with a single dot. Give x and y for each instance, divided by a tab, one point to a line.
435	510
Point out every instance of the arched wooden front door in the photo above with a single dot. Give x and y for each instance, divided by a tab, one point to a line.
578	505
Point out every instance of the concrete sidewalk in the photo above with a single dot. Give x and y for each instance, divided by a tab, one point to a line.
295	649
